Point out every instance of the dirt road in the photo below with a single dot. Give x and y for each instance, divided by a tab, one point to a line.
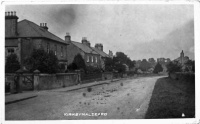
124	99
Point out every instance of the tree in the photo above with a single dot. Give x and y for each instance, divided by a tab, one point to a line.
190	65
158	68
12	63
144	65
173	67
109	64
79	61
43	61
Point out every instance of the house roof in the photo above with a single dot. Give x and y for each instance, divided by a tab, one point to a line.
84	47
102	53
27	28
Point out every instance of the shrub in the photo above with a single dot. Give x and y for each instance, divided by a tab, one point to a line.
43	61
173	67
12	63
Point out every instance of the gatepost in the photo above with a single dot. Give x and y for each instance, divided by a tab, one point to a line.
36	79
19	80
79	76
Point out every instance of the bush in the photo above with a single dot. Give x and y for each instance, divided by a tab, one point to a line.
12	63
173	67
91	69
79	61
72	67
43	61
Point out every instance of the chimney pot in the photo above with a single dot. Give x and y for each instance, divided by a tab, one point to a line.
5	13
8	13
11	13
14	13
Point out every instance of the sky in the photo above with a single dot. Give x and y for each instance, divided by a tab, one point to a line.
141	31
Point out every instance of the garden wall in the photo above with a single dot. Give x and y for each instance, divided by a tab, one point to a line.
52	81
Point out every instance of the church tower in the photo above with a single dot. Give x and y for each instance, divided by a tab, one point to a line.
182	57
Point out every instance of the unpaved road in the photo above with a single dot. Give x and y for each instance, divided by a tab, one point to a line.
124	99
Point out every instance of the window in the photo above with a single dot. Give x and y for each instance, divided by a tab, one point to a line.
10	50
91	58
88	58
47	47
61	51
55	49
96	59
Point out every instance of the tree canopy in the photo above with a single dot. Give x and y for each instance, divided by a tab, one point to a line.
43	61
158	68
12	63
173	67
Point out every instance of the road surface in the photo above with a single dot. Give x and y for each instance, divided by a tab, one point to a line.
124	99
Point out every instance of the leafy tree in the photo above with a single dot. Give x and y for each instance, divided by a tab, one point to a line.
12	64
79	61
173	67
144	65
158	68
190	64
120	67
109	64
43	61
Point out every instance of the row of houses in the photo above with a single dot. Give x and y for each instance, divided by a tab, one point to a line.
22	37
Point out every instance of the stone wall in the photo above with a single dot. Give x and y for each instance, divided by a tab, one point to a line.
52	81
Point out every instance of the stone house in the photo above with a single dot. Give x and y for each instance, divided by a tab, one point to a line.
24	36
90	56
99	49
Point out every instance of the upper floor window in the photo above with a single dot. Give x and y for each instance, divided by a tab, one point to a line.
96	59
88	58
61	54
48	46
10	50
55	49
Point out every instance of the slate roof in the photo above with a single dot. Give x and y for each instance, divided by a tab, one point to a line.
27	28
84	47
102	53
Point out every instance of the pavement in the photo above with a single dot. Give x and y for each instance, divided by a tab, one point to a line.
13	98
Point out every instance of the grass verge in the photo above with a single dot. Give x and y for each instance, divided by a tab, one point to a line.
172	99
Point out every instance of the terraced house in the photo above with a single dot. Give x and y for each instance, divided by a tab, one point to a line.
24	36
90	56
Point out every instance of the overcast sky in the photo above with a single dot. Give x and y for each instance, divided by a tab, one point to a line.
140	31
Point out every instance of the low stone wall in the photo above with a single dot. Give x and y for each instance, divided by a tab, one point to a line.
52	81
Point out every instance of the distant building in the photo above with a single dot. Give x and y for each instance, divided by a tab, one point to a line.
110	54
182	59
24	36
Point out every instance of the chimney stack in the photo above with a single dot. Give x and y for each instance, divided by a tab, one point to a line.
85	41
68	38
11	23
99	46
44	26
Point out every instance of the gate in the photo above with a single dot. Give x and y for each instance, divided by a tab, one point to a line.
27	82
